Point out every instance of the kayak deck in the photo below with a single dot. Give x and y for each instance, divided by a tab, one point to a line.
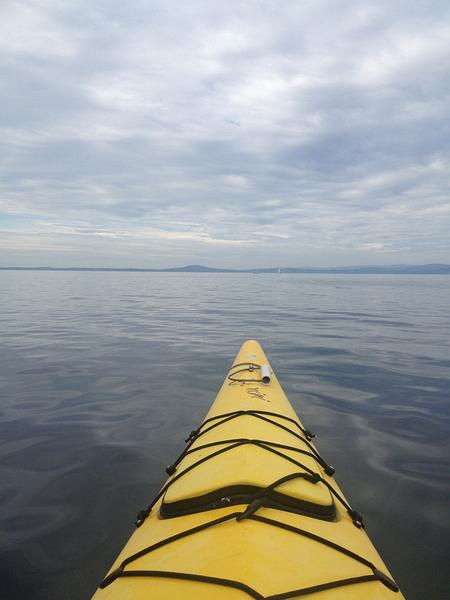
250	509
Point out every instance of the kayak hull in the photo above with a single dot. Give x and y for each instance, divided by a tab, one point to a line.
245	538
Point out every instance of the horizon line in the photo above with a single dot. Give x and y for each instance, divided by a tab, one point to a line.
395	268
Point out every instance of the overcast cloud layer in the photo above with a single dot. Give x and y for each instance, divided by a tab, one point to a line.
245	133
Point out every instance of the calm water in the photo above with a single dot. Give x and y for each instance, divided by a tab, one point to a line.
102	375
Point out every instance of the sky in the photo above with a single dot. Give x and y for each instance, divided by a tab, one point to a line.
237	134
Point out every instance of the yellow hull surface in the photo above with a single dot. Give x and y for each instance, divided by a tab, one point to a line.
250	510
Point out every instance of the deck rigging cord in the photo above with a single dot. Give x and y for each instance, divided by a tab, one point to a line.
248	366
253	411
255	501
249	513
144	513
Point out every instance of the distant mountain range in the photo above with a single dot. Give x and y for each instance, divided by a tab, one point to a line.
429	269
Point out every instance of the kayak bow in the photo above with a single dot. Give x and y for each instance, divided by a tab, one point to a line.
250	510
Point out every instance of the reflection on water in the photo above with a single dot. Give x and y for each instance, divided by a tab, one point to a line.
102	375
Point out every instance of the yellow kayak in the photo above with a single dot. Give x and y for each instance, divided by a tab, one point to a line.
250	510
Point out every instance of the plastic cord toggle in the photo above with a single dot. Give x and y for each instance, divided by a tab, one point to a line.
191	436
357	519
141	516
329	470
251	509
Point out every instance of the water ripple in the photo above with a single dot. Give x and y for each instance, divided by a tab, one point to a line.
103	374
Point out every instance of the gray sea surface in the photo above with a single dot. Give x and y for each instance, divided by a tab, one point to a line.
103	374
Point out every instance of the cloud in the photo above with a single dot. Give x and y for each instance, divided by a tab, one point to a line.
159	132
374	246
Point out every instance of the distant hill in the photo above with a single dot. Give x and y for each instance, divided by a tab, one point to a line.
434	268
198	269
428	269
